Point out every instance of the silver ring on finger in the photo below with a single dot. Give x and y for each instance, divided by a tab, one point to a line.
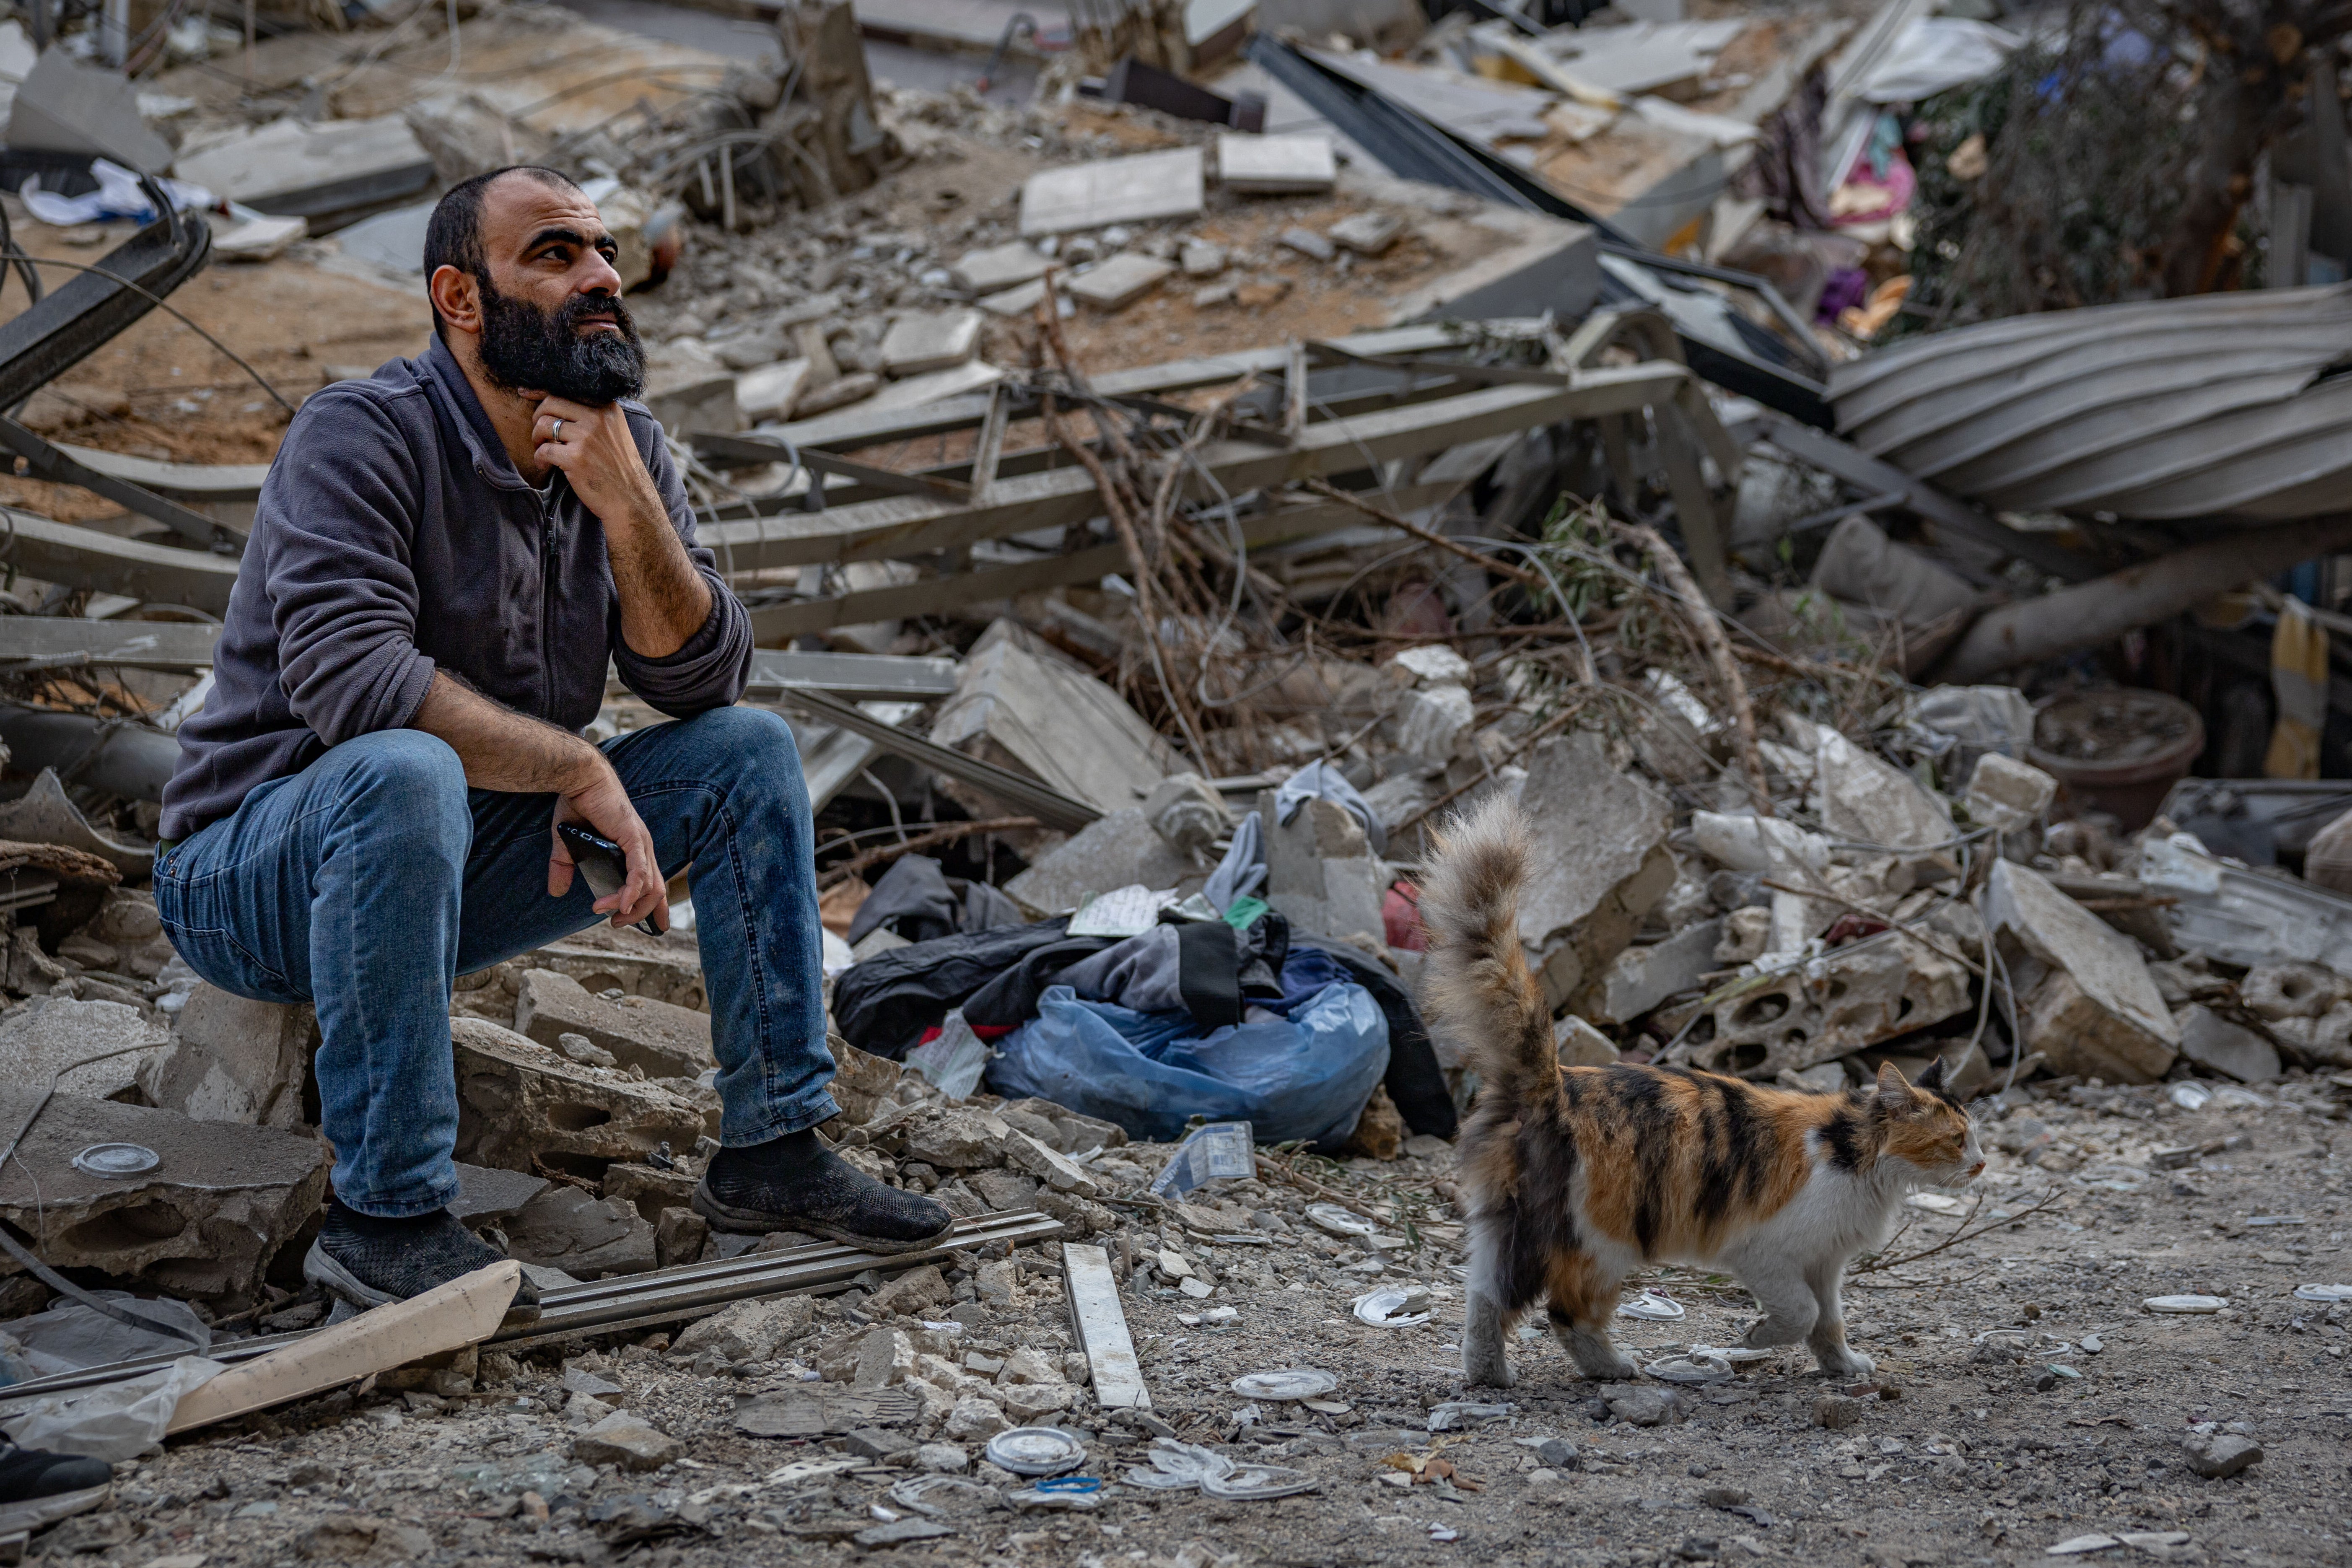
559	431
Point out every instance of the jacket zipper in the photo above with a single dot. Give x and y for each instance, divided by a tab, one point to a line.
547	601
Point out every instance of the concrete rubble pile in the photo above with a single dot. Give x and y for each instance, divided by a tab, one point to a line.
1159	515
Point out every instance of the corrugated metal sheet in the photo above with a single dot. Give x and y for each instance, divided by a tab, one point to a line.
2221	406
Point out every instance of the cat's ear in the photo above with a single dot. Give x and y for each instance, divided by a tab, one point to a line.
1894	1088
1932	1081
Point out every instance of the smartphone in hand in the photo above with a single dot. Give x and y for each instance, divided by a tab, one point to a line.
601	863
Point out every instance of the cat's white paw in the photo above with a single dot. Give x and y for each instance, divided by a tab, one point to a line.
1769	1334
1482	1372
1845	1361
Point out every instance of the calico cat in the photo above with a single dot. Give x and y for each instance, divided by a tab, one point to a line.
1572	1178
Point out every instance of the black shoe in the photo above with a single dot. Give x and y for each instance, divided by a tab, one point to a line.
37	1488
795	1182
371	1262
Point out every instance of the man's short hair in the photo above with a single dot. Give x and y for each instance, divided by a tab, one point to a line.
453	236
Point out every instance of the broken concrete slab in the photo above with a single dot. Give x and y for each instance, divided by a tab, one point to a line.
689	388
922	342
65	106
771	391
1601	861
51	1034
127	923
999	267
2006	794
521	1106
567	1228
1320	871
1579	1045
204	1222
963	1139
660	1040
1024	705
43	815
318	171
629	1441
1139	189
680	1235
1020	299
748	1331
602	959
862	1081
1431	721
1118	282
1832	1007
1188	812
1366	233
236	1059
1306	242
1056	1170
2091	1005
486	1197
1201	258
449	1316
650	1189
2231	1048
839	392
1274	165
910	1295
1866	800
1641	977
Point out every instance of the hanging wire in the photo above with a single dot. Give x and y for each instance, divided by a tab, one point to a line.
160	303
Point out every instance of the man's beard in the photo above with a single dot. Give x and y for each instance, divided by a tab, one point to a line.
525	348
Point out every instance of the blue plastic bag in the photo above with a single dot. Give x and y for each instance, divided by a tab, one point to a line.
1305	1076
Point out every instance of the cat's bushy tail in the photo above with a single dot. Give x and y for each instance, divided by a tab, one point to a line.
1479	988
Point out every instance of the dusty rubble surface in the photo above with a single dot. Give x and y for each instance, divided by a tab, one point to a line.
1965	1448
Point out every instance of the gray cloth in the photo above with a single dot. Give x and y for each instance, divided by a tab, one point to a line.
394	538
1324	779
1242	870
1142	974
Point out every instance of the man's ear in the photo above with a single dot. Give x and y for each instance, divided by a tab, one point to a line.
457	296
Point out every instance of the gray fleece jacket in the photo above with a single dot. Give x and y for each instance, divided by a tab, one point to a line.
392	537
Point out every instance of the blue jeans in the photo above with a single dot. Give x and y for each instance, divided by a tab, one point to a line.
368	882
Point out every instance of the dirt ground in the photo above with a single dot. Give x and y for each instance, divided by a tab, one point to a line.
160	390
1992	1431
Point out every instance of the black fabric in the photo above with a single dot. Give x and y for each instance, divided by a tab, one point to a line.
1207	973
985	908
27	1474
1414	1080
406	1257
912	898
1010	999
884	1004
795	1179
922	903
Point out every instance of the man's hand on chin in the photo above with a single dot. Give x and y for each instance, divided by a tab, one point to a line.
593	448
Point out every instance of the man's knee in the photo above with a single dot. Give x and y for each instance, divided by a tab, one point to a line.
408	784
757	743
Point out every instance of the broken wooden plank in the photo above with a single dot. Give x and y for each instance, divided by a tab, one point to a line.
86	558
1100	1325
934	595
58	641
1142	188
843	674
897	527
1049	806
464	1312
677	1294
867	426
